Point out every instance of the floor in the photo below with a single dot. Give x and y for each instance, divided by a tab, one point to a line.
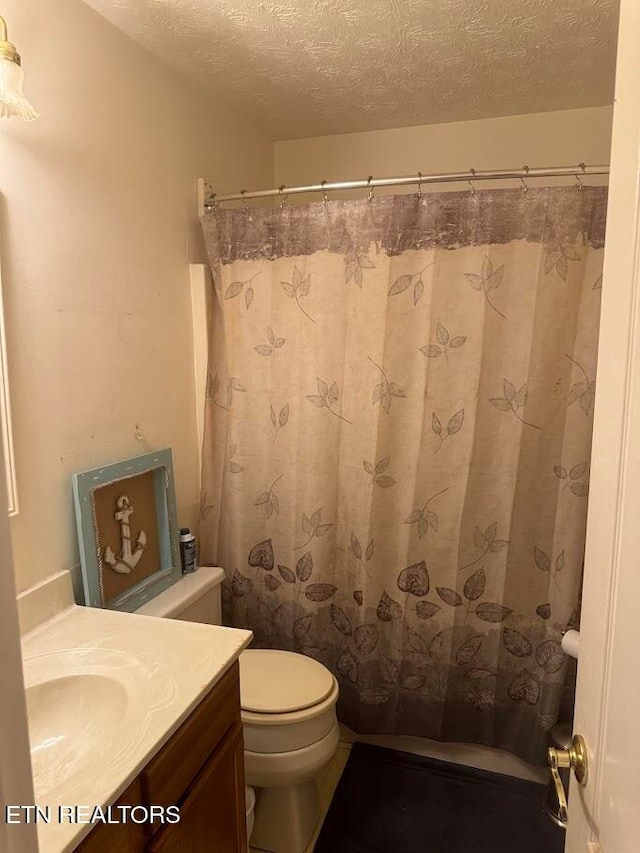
484	758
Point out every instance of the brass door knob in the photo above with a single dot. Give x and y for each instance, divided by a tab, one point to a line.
576	758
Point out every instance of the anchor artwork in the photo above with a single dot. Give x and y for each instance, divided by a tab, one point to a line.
126	561
127	530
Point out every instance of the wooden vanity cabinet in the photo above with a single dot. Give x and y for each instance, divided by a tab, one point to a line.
201	770
211	814
107	838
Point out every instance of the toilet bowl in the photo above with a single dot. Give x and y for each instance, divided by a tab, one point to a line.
289	720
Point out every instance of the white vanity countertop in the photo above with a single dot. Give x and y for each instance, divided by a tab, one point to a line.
174	664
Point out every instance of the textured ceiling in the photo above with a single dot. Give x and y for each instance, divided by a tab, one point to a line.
314	67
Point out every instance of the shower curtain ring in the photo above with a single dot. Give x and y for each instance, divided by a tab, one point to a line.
245	205
578	177
325	197
283	198
525	185
472	189
419	184
370	193
212	204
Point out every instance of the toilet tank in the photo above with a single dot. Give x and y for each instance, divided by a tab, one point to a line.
196	597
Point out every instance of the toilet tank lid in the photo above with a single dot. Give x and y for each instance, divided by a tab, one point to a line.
183	592
278	682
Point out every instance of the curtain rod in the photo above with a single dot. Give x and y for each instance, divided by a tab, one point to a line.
371	183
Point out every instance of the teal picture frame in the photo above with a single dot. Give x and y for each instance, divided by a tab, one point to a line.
85	484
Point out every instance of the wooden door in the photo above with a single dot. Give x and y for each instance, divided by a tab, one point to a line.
212	816
603	813
16	786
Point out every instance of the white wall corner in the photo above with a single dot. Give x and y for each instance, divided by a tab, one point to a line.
199	278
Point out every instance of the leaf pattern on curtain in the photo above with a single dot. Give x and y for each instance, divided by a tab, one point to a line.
444	345
395	474
407	280
385	390
488	280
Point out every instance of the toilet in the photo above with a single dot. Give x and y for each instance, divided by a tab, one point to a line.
289	719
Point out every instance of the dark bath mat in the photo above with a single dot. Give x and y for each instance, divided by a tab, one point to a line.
395	802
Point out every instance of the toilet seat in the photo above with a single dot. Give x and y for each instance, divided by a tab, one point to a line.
293	717
273	681
262	673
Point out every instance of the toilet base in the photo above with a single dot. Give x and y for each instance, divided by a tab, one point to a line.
285	817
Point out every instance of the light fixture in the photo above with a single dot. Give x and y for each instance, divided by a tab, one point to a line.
12	101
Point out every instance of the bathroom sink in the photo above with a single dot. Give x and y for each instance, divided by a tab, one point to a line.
83	707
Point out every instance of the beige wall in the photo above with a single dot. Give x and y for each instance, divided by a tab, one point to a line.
97	225
541	139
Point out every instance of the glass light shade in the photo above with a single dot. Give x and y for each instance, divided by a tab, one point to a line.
12	101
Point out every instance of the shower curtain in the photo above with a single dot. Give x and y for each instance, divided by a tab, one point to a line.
396	453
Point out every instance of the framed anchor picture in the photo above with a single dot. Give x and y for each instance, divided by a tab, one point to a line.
127	530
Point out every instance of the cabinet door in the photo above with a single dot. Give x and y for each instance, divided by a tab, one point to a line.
212	815
167	776
123	837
